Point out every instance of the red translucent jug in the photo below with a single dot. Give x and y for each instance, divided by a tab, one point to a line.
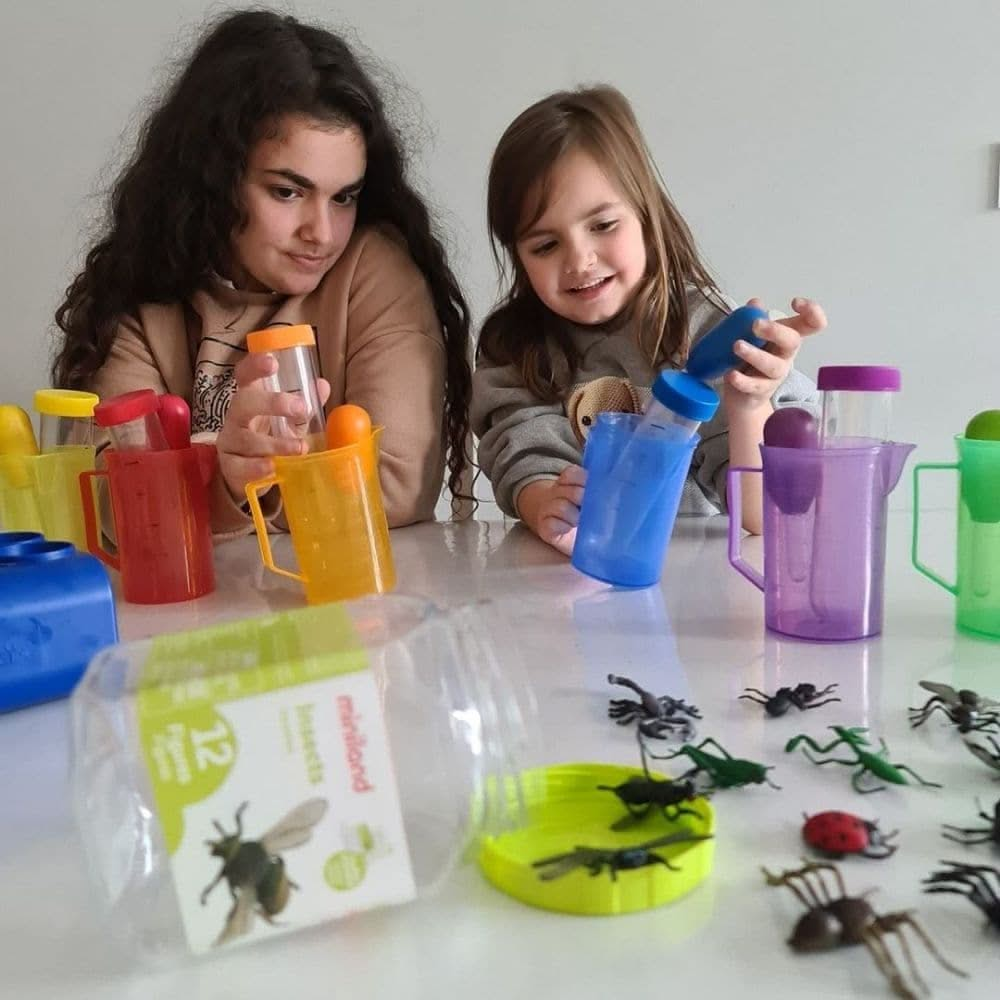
160	507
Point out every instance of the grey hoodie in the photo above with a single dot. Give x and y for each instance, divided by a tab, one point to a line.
522	438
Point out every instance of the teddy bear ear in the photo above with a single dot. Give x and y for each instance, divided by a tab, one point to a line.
573	401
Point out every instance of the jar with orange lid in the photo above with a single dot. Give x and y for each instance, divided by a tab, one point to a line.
294	349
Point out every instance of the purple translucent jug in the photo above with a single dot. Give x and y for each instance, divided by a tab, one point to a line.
824	537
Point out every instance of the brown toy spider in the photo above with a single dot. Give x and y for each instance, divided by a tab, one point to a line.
838	921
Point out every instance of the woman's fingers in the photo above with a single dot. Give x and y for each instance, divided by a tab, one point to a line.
239	471
253	401
252	368
250	443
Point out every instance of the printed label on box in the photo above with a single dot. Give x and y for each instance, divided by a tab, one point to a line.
271	772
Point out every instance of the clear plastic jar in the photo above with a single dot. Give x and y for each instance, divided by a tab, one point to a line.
133	421
857	403
294	348
679	403
455	723
66	419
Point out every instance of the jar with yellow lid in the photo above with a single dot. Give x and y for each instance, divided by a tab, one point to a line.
65	419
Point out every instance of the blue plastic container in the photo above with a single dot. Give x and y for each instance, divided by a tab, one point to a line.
57	610
631	499
713	355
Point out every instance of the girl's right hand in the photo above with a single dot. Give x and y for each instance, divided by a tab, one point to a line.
551	507
245	444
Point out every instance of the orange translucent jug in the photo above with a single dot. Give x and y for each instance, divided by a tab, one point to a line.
333	504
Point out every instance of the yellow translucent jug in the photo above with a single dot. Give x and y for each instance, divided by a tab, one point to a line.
40	492
333	505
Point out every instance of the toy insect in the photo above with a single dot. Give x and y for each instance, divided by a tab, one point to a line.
658	717
988	758
802	696
254	869
839	833
723	772
640	795
596	859
965	708
970	881
834	922
867	762
977	835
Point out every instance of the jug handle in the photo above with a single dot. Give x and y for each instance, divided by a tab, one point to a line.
90	519
914	553
734	492
253	490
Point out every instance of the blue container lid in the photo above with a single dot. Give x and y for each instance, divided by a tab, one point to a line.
14	543
47	552
713	355
686	396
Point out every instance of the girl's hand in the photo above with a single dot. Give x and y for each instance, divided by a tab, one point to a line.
551	507
245	444
765	368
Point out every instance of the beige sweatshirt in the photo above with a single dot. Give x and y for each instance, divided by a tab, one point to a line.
380	346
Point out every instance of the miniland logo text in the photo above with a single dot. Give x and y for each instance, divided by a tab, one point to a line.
354	744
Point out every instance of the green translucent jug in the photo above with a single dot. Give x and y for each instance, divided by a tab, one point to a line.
977	566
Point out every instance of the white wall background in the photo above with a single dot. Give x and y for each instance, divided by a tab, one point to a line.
848	151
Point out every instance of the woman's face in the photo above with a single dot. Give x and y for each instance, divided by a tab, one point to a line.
300	195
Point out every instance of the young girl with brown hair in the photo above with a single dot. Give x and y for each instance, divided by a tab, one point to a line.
605	281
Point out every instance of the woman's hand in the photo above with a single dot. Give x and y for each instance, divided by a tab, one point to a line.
551	507
245	443
765	368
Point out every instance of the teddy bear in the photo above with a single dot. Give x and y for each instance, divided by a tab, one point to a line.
607	394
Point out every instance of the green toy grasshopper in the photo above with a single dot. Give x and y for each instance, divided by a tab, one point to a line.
723	772
866	761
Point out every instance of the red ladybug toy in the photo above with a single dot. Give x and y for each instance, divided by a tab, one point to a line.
840	833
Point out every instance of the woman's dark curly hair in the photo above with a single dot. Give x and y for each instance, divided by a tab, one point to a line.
176	204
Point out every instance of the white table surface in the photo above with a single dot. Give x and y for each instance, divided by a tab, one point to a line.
700	636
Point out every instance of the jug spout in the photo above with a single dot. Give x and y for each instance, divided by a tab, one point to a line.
893	458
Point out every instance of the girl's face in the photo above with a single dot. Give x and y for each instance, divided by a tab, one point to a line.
586	255
300	195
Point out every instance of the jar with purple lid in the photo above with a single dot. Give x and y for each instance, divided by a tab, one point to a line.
857	404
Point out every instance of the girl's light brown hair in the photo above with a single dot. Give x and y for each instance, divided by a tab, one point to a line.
521	330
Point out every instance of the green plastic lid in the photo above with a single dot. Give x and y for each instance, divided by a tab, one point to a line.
565	811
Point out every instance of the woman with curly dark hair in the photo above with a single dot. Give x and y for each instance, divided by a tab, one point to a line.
268	187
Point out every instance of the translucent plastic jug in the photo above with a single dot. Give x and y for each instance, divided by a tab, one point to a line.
824	537
333	505
160	506
977	579
634	486
38	491
395	731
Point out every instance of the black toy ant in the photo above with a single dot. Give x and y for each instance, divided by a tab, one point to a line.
640	795
971	882
977	835
596	859
968	710
658	717
802	696
833	922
